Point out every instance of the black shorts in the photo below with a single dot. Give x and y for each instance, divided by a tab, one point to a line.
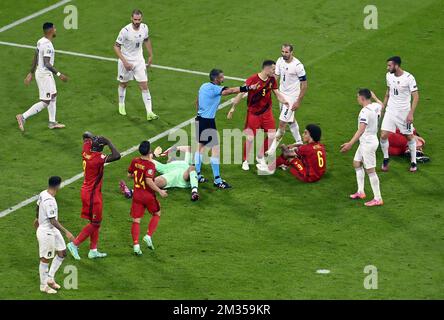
206	132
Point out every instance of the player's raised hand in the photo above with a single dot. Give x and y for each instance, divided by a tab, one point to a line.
63	77
28	79
346	147
163	193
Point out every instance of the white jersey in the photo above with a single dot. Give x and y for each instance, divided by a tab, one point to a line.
400	92
47	210
45	49
370	116
291	74
131	42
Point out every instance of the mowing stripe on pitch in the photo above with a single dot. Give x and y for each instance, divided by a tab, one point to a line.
92	56
124	154
35	14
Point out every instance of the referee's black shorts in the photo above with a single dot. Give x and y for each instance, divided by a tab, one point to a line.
206	132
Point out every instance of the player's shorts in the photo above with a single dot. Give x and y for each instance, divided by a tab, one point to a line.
298	170
92	205
366	153
50	241
287	115
143	200
393	120
46	85
263	121
138	72
206	132
173	174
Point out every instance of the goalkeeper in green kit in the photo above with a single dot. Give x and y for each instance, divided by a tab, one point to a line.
173	174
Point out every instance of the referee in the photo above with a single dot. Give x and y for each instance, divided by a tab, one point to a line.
207	103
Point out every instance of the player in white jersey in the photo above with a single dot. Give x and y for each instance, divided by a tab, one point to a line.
293	84
43	66
132	65
49	236
401	88
365	157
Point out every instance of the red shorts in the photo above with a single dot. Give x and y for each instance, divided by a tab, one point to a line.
144	200
92	206
298	170
263	121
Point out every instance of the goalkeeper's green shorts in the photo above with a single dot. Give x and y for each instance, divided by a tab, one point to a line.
173	172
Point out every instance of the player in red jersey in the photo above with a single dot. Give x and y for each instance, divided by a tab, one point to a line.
307	162
91	193
260	113
143	171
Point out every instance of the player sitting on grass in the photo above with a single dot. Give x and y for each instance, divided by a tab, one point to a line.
174	173
307	162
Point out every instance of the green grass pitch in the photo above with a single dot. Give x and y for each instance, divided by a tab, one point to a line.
265	238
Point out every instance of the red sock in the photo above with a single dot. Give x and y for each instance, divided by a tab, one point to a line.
84	234
153	224
135	231
94	238
247	148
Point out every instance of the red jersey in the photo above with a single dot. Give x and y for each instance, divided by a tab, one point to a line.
313	158
259	100
142	169
93	165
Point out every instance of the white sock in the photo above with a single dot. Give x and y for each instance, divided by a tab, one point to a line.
52	110
276	140
294	128
374	182
43	270
412	149
36	108
385	148
360	176
55	265
122	94
146	96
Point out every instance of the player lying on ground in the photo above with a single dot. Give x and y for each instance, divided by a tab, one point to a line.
399	146
43	66
307	162
293	85
142	170
49	236
401	88
91	193
260	113
365	157
128	48
173	174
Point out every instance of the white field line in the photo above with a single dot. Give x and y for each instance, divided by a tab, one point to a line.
35	14
91	56
124	153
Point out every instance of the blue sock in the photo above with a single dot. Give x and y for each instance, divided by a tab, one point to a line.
215	166
198	162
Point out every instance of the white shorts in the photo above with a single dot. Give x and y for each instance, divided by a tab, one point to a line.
138	72
49	242
287	115
392	121
366	153
46	85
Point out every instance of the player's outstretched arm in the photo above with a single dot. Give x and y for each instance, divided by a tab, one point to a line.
235	102
115	154
61	228
50	67
227	91
33	67
348	145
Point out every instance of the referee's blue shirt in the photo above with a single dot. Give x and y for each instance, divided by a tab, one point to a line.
209	99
